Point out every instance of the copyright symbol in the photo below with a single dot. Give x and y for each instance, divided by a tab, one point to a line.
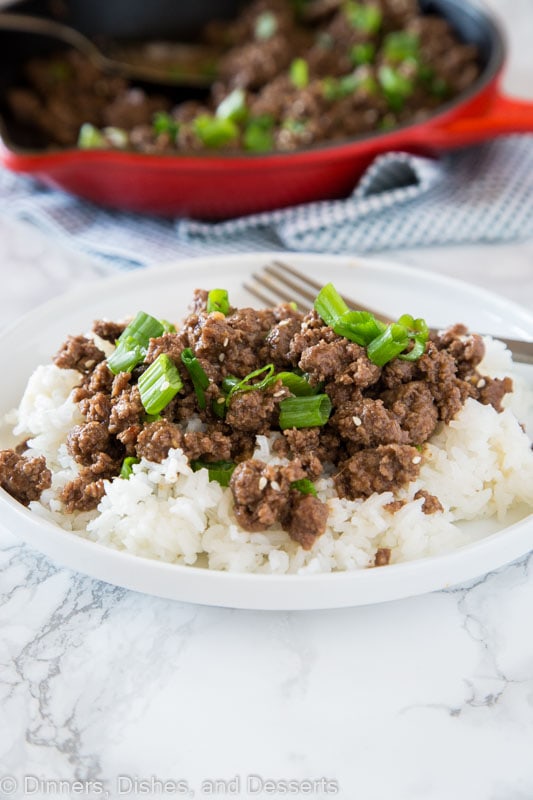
8	786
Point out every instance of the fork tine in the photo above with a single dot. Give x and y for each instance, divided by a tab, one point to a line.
282	268
279	291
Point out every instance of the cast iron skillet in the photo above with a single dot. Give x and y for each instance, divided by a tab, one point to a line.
221	186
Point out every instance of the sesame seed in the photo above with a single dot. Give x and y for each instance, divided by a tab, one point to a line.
221	357
262	483
481	383
217	315
417	459
280	393
221	400
226	341
357	421
275	485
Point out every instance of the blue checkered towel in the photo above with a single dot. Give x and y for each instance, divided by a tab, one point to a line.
479	194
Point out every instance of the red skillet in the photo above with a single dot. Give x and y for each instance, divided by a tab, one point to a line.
219	186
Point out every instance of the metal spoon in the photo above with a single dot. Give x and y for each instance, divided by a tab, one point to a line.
183	54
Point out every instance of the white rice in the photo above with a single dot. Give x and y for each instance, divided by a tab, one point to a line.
479	466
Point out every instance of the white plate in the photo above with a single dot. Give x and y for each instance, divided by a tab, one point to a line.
166	292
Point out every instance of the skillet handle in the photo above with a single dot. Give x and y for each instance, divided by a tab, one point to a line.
505	115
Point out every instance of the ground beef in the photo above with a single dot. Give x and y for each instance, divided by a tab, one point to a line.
82	494
382	557
262	494
127	409
493	390
23	478
84	441
256	411
156	439
380	469
213	445
431	503
307	519
109	331
96	408
413	406
79	353
367	423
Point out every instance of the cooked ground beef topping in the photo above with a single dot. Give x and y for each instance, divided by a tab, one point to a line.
23	478
370	440
290	75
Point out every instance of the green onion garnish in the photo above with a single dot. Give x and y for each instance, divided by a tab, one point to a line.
217	300
388	345
116	136
357	326
168	327
363	53
133	342
165	123
396	87
299	73
298	385
220	471
246	385
215	132
258	136
305	486
197	375
417	329
126	470
266	25
366	18
90	138
400	46
304	412
159	384
233	106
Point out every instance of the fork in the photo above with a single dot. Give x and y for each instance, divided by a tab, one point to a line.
284	282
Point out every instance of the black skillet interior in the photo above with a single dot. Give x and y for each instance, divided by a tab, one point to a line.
165	17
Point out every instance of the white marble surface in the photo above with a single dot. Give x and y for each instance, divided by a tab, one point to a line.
425	699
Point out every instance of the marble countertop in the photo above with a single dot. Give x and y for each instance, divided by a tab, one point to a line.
429	698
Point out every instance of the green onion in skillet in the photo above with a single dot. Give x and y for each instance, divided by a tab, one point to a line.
396	87
233	106
90	138
299	73
258	136
362	17
215	132
159	384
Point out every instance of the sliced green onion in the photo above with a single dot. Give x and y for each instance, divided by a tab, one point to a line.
229	383
298	385
329	305
396	87
197	374
299	73
217	300
165	123
90	138
266	25
400	46
357	326
258	136
220	471
246	385
133	342
152	418
126	470
168	327
159	384
215	132
218	406
388	345
417	329
127	354
366	18
305	486
233	106
363	53
304	412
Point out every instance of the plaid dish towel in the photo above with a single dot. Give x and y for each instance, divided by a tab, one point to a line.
479	194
